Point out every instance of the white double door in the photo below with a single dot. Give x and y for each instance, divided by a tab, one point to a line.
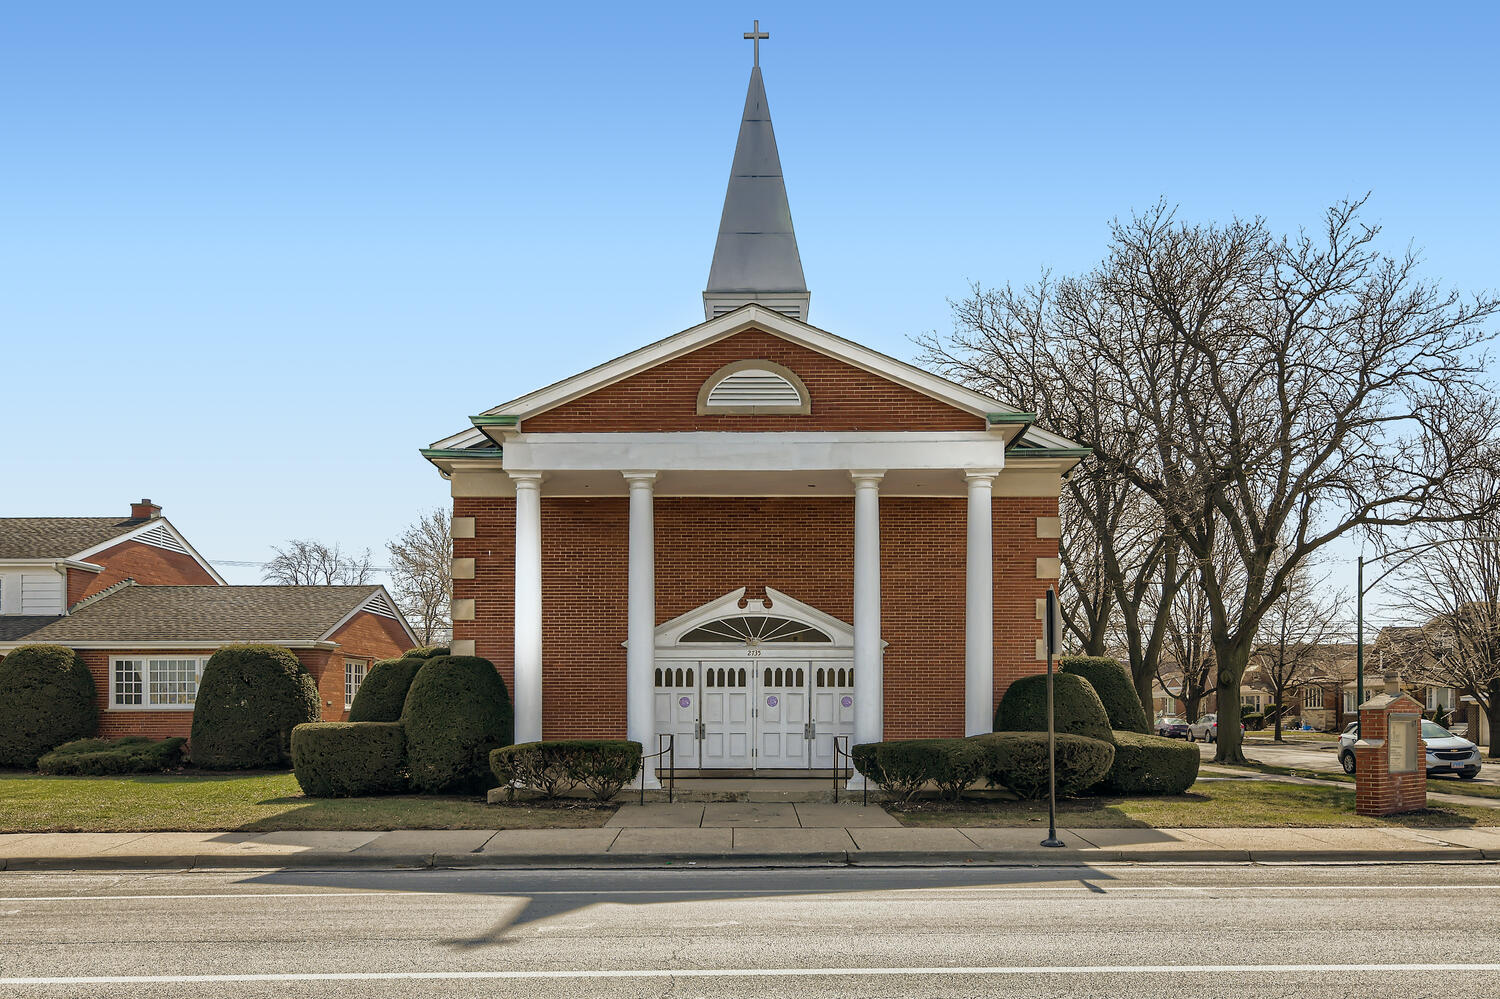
755	713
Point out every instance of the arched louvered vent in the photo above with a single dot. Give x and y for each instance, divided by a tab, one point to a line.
160	537
753	387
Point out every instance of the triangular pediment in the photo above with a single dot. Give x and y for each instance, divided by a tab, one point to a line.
749	317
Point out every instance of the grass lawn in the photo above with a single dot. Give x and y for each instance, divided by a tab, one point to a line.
1207	805
1435	785
254	802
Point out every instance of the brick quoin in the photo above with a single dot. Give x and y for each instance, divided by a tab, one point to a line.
365	636
665	397
708	546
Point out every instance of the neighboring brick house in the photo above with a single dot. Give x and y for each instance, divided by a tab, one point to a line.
754	535
146	645
145	611
48	564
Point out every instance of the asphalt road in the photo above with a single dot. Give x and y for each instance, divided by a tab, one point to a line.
1199	931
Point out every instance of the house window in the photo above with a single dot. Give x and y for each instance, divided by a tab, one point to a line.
167	682
1439	697
354	675
1312	698
1349	705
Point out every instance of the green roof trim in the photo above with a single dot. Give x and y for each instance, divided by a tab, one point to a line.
1048	452
436	453
996	419
487	420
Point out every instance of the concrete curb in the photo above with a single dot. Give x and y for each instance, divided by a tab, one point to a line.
853	858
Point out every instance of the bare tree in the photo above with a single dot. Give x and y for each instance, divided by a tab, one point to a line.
1294	637
1287	392
421	575
1186	668
1117	560
303	562
1454	588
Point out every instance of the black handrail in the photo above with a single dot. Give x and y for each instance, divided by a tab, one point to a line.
671	754
840	742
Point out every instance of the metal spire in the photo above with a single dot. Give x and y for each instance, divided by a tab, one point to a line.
756	258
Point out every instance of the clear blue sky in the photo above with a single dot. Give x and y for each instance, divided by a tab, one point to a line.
253	256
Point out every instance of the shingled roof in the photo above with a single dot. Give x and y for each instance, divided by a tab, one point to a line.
209	614
14	627
59	537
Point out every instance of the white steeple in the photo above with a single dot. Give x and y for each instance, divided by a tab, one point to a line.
755	258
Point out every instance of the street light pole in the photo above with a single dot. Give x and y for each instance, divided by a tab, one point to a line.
1359	645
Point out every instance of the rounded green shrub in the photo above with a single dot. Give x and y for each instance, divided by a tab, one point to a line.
249	700
1018	760
1149	764
551	769
457	711
1111	681
349	759
1077	709
100	757
382	695
904	767
1254	720
425	652
46	699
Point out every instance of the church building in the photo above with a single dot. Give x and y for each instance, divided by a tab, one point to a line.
756	535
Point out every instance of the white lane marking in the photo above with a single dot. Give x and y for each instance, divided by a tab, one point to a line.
820	893
1103	969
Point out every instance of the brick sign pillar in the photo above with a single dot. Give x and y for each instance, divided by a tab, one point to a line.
1390	758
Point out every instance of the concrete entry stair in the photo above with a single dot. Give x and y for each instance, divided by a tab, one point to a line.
744	789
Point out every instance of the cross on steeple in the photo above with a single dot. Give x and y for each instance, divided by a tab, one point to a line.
755	35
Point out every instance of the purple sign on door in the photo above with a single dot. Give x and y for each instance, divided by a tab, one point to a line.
846	701
685	701
771	701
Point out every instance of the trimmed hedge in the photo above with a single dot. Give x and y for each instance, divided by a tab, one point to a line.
47	700
1111	681
904	767
1077	709
1254	720
457	711
425	652
349	759
101	757
249	700
1149	764
551	769
382	695
1018	760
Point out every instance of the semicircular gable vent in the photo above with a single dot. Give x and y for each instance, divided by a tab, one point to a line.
757	390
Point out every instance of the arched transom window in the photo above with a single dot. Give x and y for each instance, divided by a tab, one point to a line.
753	387
754	630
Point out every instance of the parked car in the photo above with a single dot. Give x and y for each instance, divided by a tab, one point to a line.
1171	727
1207	729
1446	752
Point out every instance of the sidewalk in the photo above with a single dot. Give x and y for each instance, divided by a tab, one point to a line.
737	835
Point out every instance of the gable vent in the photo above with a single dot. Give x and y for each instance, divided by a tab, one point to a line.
378	604
755	387
160	537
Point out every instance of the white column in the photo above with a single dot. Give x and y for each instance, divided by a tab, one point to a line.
979	608
527	694
869	695
640	630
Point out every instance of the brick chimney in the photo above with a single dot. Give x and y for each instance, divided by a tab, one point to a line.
145	510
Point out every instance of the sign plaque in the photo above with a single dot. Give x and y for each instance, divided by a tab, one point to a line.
1403	732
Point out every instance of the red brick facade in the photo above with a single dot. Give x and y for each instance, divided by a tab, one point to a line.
1377	791
706	547
665	398
148	565
366	636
